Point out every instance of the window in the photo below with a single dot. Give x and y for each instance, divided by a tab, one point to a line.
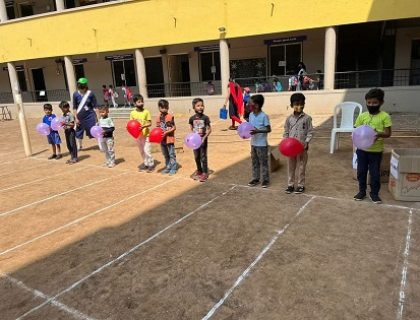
79	70
284	58
22	80
26	9
10	10
70	4
123	71
210	65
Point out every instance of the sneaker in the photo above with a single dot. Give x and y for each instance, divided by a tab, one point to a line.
165	171
360	196
196	175
52	157
59	156
142	168
172	172
253	183
111	165
150	169
289	189
300	190
375	198
265	184
203	177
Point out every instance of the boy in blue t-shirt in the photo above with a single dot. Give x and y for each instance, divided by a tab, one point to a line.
259	143
53	138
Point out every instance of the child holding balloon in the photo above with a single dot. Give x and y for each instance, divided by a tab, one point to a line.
69	132
299	126
166	122
107	140
143	116
53	137
200	123
259	144
369	159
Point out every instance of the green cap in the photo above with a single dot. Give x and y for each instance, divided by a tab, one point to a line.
82	81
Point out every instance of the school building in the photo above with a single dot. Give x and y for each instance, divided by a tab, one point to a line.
185	48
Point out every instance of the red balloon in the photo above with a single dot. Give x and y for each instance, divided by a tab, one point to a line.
291	147
134	128
156	135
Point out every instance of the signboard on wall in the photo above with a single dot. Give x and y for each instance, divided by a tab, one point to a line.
212	47
79	61
119	57
285	40
18	68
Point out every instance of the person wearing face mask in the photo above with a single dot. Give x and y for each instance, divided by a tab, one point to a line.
298	125
370	159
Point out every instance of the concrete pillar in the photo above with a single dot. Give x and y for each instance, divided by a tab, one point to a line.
60	5
141	72
166	79
224	65
71	76
330	57
17	98
3	12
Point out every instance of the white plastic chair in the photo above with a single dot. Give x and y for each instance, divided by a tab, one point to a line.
347	121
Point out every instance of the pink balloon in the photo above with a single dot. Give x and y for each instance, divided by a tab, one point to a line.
96	131
193	140
363	137
244	130
56	123
43	129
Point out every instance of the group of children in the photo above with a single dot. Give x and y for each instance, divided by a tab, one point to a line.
298	125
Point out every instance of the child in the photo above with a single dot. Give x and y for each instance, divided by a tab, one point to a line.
259	144
105	94
113	95
370	159
200	123
107	141
53	138
70	133
298	125
167	123
143	116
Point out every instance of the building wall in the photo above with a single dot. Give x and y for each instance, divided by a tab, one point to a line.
166	22
404	37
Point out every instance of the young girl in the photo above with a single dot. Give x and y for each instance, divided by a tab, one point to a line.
200	123
166	122
143	116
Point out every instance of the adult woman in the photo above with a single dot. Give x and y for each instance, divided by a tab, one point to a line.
236	103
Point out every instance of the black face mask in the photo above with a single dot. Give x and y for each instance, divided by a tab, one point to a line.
373	109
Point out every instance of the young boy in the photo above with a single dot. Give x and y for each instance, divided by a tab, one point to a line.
259	144
70	133
298	125
53	138
370	159
143	116
107	141
200	123
167	122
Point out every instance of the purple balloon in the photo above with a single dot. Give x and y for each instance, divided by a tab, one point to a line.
244	130
43	129
56	123
363	137
96	131
193	140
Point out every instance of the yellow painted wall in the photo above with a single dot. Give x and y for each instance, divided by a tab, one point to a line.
149	23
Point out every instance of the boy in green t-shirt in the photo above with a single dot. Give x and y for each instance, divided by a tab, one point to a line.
370	159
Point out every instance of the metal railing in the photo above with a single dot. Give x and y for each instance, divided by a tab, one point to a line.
183	89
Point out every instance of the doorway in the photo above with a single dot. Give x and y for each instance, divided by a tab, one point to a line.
179	75
154	75
284	59
39	85
415	63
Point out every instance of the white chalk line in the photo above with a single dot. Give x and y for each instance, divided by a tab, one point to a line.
404	270
122	256
36	293
13	211
84	217
246	272
41	179
20	170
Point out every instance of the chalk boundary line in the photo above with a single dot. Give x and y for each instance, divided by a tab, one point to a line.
123	255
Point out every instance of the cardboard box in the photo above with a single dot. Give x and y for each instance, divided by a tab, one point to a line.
275	163
404	177
384	170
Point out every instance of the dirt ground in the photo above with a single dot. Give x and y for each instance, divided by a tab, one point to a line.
90	242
